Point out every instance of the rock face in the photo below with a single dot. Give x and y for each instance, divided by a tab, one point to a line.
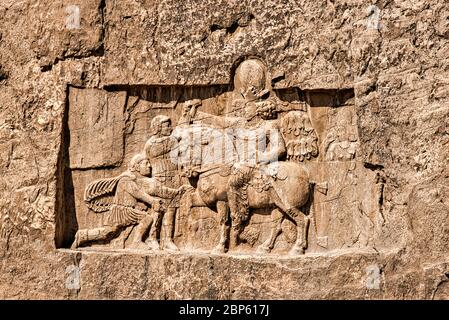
224	149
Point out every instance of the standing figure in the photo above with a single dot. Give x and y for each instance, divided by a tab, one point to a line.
160	151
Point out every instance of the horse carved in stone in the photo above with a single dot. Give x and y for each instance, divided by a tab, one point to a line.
293	187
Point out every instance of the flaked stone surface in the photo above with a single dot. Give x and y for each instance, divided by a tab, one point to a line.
139	275
383	232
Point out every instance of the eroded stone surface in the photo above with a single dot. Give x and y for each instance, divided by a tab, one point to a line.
76	105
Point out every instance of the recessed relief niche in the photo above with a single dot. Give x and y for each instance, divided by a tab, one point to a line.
244	168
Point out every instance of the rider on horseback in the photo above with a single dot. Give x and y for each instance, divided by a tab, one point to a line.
257	138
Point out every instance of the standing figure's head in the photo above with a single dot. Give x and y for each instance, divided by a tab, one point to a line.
161	126
140	164
250	79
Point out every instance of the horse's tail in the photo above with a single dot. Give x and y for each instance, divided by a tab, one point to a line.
321	187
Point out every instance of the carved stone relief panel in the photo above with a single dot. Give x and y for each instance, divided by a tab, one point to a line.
243	168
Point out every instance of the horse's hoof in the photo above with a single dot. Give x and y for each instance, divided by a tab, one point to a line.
296	252
218	250
263	250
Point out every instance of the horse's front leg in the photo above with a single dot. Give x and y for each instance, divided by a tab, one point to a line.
223	211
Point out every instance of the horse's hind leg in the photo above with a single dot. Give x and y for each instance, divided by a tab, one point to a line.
268	245
223	211
302	227
276	200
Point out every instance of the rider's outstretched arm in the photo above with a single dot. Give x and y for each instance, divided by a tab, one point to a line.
222	122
